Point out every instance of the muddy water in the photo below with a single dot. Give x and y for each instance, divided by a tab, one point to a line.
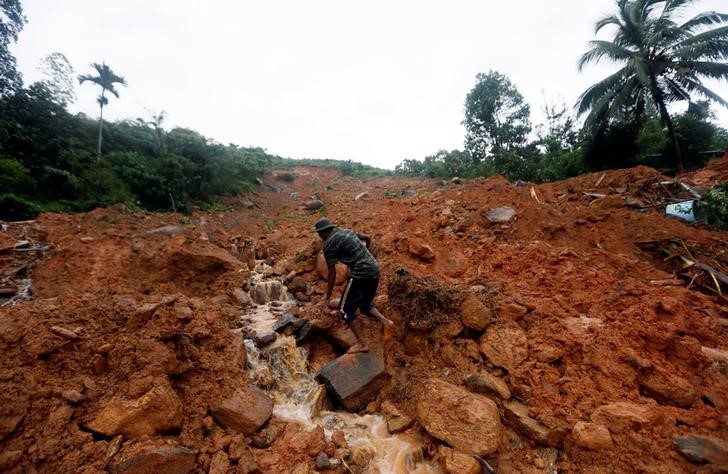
282	369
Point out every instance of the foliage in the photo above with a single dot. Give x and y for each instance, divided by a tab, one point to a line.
107	80
47	161
662	61
347	167
59	78
496	116
11	23
714	206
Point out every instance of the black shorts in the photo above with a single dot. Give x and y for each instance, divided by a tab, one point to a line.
358	294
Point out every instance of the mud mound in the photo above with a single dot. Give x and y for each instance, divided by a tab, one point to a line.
715	172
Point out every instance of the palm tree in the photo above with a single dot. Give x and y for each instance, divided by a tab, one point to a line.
663	61
105	78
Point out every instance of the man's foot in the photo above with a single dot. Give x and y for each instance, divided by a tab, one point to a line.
357	348
388	331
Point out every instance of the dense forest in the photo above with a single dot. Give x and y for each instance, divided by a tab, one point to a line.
53	160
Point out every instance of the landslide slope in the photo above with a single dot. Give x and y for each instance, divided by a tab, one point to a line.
593	320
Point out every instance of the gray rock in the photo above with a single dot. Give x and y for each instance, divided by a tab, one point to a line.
313	204
168	230
499	215
263	339
168	458
354	379
288	323
703	450
322	461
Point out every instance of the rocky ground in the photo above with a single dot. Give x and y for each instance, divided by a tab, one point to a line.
533	333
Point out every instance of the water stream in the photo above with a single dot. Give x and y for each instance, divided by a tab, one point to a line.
281	368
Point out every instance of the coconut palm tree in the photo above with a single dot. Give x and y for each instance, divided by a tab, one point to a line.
106	79
662	61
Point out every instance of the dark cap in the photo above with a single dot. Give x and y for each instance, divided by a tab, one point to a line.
322	225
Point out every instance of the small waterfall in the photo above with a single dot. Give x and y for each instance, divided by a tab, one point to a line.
281	368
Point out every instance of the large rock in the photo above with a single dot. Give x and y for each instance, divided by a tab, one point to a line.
246	411
668	389
625	416
704	450
592	436
455	462
488	384
156	412
170	459
505	345
498	215
342	271
396	420
474	314
312	204
466	421
418	248
354	379
517	417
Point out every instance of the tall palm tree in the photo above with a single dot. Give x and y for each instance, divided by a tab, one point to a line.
663	61
106	79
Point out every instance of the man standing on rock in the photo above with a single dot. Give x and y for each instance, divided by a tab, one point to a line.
350	248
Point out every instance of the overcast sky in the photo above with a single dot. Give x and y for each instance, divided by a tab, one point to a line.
375	81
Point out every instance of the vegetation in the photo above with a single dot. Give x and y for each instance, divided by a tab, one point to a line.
663	62
714	206
106	79
627	118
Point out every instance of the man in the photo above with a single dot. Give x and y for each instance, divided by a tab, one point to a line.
350	248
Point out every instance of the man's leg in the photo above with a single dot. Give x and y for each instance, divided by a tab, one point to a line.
361	345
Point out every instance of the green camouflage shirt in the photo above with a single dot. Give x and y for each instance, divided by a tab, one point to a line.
345	246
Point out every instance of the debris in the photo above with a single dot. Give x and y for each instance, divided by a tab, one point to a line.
704	450
517	417
168	230
533	194
166	458
421	250
361	196
683	210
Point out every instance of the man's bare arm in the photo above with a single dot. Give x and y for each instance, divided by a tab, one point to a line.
330	283
367	239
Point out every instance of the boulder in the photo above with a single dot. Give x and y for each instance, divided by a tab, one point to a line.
288	324
396	420
455	462
170	459
667	389
361	196
474	314
354	379
447	330
312	204
625	416
156	412
242	297
592	436
245	411
517	417
298	285
264	338
466	421
418	248
505	345
498	215
488	384
704	450
342	271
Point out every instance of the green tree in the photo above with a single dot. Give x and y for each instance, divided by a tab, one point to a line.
106	79
663	61
496	116
11	23
59	81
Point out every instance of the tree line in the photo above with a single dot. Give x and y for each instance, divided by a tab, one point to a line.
627	120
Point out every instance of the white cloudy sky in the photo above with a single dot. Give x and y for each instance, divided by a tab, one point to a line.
375	81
